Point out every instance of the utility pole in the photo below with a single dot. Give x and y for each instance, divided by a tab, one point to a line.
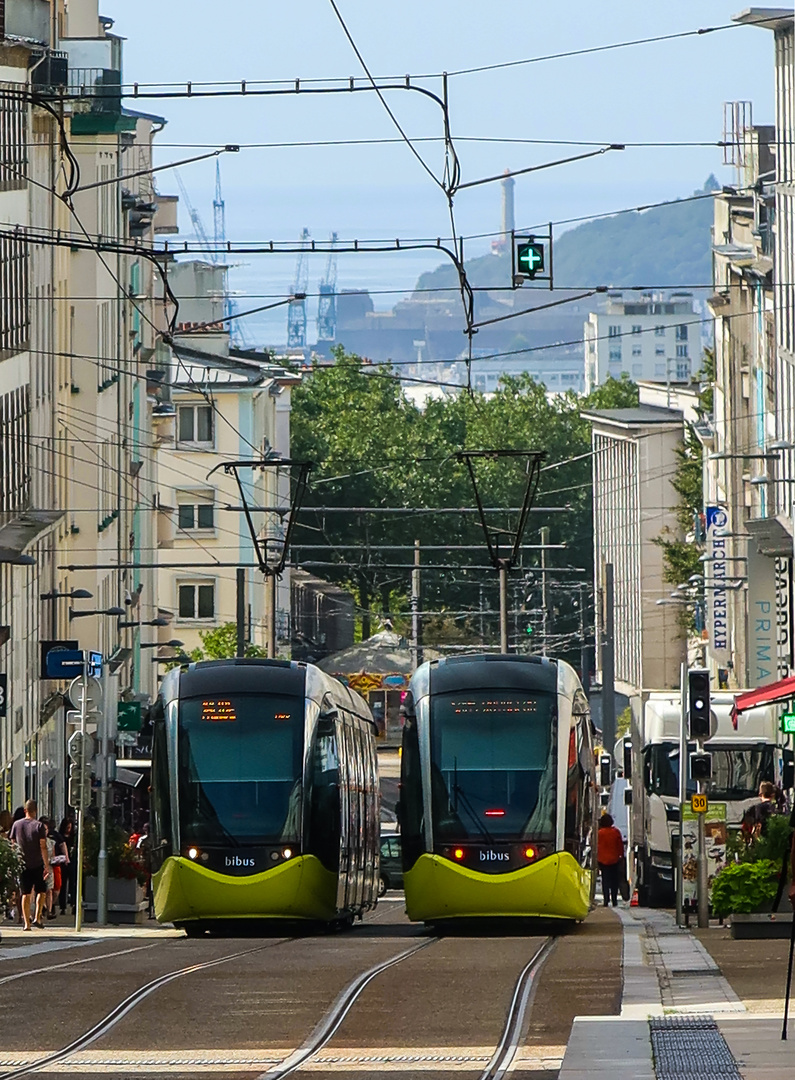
703	869
81	809
270	615
106	769
241	612
416	650
608	666
503	608
544	599
680	881
585	669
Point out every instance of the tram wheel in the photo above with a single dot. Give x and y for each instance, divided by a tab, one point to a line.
194	929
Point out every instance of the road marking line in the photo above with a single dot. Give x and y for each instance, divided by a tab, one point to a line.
22	952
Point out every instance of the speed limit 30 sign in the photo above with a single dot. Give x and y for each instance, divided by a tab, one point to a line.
699	804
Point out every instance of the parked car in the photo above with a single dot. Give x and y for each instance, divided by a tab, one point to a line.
391	864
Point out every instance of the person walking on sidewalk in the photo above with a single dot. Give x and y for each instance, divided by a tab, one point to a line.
30	835
609	853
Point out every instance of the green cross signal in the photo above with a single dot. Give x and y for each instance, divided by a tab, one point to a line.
529	258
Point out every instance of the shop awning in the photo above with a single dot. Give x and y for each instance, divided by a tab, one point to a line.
765	695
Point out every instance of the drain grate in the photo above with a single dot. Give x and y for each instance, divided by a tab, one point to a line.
686	1047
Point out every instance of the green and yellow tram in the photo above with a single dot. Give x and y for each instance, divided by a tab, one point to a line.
498	799
265	801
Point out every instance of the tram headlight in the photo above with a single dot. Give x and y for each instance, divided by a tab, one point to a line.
287	853
193	853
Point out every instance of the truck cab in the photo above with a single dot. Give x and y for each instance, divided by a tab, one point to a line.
745	751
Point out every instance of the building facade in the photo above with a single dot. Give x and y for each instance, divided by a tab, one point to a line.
651	336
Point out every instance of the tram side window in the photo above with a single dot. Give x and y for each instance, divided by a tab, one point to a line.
324	797
161	810
410	805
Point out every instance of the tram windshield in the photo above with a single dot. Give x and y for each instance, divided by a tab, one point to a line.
240	768
493	765
737	772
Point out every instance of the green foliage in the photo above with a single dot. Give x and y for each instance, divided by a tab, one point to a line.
624	723
11	866
123	861
770	845
221	644
743	887
373	447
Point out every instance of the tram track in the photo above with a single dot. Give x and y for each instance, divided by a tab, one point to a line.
328	1026
119	1011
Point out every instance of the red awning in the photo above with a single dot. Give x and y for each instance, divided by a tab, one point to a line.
765	695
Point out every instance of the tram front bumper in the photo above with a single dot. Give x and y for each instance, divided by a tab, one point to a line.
554	887
299	889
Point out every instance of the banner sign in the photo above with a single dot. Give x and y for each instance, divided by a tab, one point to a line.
3	694
717	598
762	629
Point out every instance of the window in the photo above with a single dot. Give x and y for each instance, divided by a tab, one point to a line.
636	350
615	355
196	601
659	331
14	314
681	332
681	350
660	350
14	451
195	515
195	424
637	369
637	329
614	331
13	137
659	371
682	371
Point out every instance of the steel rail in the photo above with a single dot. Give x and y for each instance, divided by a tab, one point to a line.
330	1023
118	1012
514	1023
74	963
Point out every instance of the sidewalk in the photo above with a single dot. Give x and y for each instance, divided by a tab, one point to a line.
681	1017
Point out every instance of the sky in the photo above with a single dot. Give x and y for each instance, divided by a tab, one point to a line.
670	91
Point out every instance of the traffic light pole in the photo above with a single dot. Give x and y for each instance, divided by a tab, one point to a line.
102	802
81	808
683	763
703	876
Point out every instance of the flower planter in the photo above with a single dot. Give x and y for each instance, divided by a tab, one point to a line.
126	901
762	925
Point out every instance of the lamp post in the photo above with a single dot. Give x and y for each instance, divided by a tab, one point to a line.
173	644
72	594
73	614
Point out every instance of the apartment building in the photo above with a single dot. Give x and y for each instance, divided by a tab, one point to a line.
220	404
652	336
78	331
634	463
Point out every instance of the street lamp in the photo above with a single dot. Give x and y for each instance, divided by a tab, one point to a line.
16	558
73	594
104	611
151	622
181	658
722	558
173	644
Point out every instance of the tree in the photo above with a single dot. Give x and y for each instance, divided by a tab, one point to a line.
221	644
374	448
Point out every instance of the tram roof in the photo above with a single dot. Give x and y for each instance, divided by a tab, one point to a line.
493	673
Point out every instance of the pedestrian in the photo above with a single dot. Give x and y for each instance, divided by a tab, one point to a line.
30	835
68	835
609	853
756	817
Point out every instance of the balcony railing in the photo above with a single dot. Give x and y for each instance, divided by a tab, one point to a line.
100	86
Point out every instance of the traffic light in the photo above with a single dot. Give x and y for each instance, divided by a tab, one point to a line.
701	766
528	630
627	751
605	770
529	257
79	795
698	710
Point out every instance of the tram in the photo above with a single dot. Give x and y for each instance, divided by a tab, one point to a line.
265	801
498	800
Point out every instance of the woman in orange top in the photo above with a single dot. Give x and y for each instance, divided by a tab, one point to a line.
609	853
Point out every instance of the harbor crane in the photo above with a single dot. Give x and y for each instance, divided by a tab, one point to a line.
327	302
296	311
